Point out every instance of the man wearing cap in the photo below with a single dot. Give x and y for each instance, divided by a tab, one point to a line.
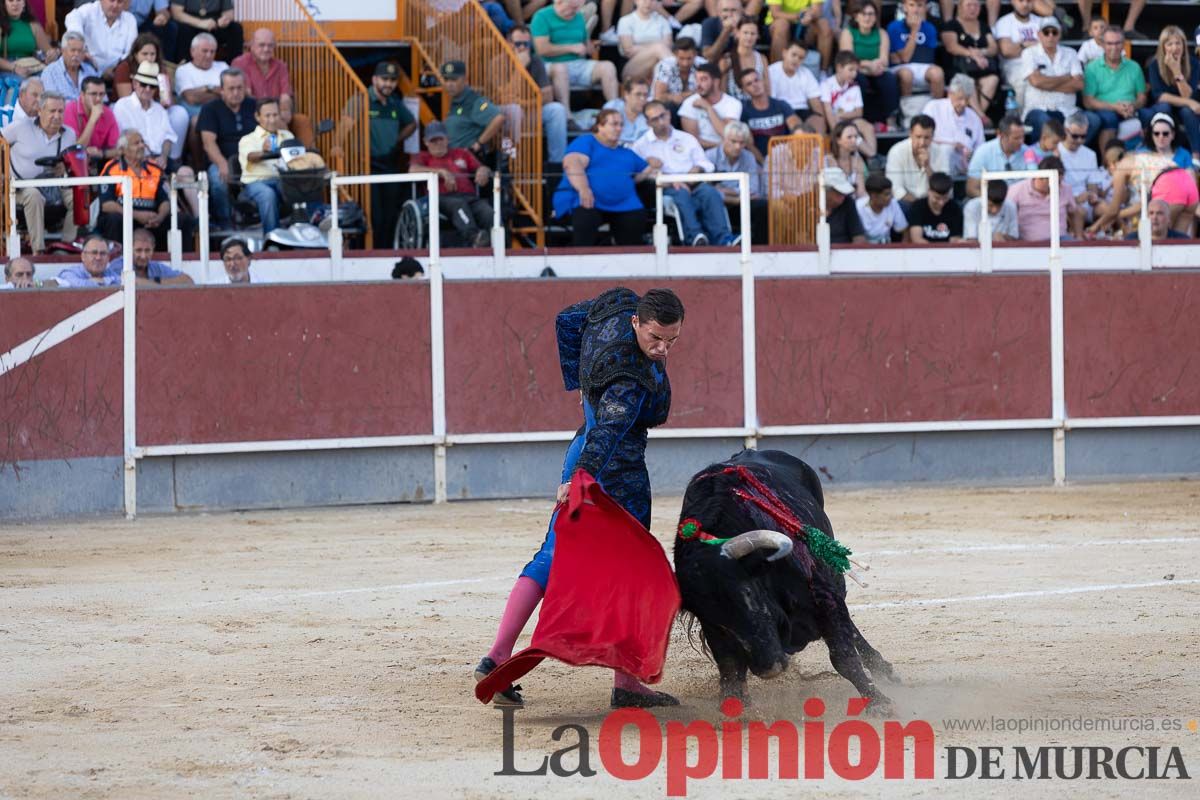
390	124
222	124
473	122
107	28
1054	75
260	176
845	226
460	173
142	112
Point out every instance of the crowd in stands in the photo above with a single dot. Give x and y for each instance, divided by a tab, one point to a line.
916	102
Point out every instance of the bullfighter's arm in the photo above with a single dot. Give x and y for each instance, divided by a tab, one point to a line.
616	413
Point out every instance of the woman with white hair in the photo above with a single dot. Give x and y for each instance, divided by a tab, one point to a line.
733	155
958	127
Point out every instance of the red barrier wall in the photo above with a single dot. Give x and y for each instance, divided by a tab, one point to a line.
502	371
1131	344
902	349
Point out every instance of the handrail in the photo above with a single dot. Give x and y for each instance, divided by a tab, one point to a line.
793	168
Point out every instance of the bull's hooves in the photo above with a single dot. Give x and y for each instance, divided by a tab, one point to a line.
881	707
623	698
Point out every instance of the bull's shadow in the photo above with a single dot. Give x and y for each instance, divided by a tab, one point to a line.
760	583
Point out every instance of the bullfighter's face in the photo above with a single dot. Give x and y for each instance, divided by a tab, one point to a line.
654	338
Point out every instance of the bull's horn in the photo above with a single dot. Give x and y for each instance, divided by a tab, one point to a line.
746	543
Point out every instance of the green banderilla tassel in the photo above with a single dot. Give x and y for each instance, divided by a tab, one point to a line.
827	549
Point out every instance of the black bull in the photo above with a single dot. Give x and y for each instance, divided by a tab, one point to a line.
754	612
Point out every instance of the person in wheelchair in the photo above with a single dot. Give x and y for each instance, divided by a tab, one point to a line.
260	174
460	174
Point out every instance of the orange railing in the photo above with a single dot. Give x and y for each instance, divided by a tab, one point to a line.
324	84
792	169
467	34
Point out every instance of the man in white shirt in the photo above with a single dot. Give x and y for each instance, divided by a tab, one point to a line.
142	112
1002	215
1014	33
958	129
700	205
705	114
912	161
28	97
880	214
43	136
108	30
199	81
1083	174
794	84
1054	75
260	175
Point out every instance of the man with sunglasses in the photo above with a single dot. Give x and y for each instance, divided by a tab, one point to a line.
1083	174
554	114
1054	75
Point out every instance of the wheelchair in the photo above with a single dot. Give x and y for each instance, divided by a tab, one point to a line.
671	214
412	224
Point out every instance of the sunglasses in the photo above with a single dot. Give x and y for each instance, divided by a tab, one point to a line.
1051	32
521	45
657	117
1163	134
1077	136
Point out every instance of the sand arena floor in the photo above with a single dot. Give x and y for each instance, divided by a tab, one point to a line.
328	653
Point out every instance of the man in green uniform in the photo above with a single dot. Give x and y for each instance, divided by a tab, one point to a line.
473	122
390	124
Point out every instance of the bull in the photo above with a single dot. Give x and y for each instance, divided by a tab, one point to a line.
758	579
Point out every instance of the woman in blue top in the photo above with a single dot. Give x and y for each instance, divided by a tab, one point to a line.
1175	86
599	185
1159	137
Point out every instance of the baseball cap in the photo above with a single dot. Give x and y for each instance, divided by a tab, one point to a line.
836	179
1050	22
435	130
454	69
387	69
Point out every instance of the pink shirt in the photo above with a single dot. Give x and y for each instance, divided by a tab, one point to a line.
106	132
1033	210
275	83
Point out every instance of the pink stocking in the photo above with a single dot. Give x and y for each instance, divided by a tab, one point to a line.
522	600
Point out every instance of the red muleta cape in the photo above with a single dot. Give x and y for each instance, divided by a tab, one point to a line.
610	599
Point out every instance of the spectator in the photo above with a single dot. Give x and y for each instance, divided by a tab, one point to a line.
212	16
1083	174
936	218
598	185
1031	198
95	270
146	48
842	100
1002	215
718	33
969	41
554	113
635	93
1160	138
268	76
675	77
222	124
1175	85
154	17
235	255
199	80
1158	213
705	113
1054	75
766	116
1047	144
93	122
1015	32
28	140
701	207
460	174
881	216
1093	48
151	201
800	21
1113	88
473	122
958	128
260	176
108	30
794	84
913	45
560	37
28	96
1005	153
1135	11
872	46
911	162
22	38
744	57
142	112
845	227
844	154
645	37
147	271
18	274
391	123
734	156
65	75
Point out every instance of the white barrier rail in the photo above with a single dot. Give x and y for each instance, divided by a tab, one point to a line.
175	236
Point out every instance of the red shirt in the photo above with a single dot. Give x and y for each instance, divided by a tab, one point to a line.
106	132
458	160
275	83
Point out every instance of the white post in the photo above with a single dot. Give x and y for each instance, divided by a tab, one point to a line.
437	347
174	235
1057	369
498	264
14	238
985	228
202	226
1144	233
336	270
661	237
824	256
129	366
749	322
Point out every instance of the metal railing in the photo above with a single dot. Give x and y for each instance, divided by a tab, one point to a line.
466	33
325	86
5	180
792	170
